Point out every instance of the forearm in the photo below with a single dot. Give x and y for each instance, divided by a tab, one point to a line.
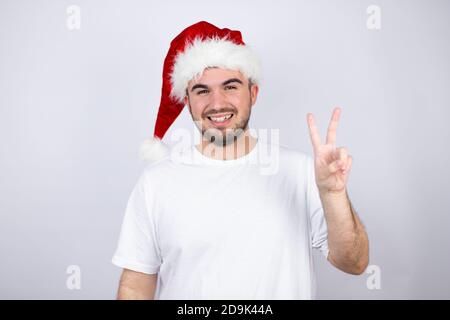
347	239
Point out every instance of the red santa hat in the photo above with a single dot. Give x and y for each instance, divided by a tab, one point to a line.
196	48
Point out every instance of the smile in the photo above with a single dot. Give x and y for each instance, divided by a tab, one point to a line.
220	118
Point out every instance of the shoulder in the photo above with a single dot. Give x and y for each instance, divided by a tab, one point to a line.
295	153
167	168
284	160
156	168
288	155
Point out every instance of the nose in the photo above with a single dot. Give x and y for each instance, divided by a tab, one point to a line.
217	100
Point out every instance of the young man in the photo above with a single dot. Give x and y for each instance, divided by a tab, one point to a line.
211	226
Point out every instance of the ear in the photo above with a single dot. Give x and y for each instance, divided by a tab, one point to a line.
254	93
186	95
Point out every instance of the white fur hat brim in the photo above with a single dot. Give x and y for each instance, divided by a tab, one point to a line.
212	52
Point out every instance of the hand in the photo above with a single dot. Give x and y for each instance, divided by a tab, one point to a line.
332	165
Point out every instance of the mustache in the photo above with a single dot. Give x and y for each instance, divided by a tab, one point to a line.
216	111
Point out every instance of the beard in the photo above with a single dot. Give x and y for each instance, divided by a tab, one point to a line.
225	136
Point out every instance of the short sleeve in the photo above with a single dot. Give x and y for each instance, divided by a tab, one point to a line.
137	248
319	231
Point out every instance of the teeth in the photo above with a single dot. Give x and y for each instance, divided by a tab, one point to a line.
221	119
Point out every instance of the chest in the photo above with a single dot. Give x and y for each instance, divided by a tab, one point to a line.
230	212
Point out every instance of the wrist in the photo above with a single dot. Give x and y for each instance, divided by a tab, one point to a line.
333	194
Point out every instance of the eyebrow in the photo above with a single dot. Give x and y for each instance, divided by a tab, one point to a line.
232	80
204	86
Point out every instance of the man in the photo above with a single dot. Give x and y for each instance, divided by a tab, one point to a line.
211	226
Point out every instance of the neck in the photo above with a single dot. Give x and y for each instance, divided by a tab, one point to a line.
239	148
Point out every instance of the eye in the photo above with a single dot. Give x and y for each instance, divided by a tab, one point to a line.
230	87
202	91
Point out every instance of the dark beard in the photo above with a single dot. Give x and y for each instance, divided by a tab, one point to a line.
227	136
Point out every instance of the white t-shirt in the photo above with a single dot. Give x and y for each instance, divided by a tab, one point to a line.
226	229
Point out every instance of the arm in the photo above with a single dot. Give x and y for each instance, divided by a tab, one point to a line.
347	240
137	286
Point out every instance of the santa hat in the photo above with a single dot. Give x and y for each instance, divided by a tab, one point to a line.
196	48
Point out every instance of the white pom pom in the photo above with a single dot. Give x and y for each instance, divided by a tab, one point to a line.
153	149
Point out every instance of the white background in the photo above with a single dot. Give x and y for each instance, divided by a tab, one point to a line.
75	106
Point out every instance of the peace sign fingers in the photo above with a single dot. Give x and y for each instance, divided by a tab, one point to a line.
331	133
